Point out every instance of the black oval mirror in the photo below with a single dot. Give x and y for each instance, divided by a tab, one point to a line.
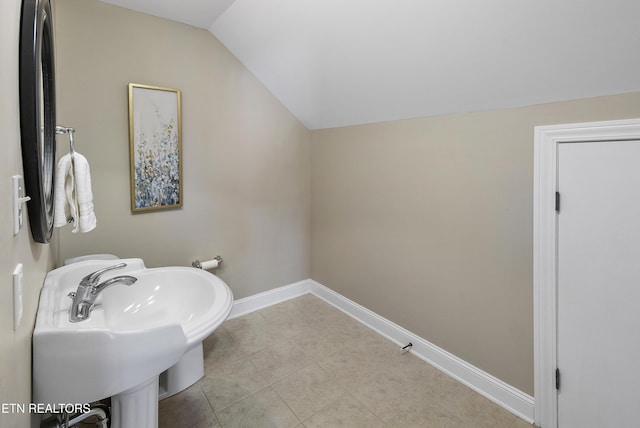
37	114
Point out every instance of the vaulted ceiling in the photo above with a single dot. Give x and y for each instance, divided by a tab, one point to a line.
343	62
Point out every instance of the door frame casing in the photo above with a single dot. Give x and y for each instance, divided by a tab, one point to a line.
545	235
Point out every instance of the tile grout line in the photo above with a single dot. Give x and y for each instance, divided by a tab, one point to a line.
251	393
206	397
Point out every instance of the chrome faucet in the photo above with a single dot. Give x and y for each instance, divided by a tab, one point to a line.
89	289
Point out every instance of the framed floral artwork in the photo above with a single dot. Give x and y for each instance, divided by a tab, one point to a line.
155	144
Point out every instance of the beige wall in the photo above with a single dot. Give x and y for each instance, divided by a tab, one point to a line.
246	158
428	222
15	346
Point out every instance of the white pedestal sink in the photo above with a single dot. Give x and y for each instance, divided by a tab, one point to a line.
134	333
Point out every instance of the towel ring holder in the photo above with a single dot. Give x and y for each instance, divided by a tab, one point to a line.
70	131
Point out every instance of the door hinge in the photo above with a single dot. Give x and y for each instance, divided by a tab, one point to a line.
557	201
557	379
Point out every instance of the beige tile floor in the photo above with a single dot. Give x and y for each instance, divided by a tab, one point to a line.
304	364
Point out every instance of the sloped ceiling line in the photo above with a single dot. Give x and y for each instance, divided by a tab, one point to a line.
343	62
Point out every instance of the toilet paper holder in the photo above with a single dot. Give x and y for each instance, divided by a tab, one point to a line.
207	264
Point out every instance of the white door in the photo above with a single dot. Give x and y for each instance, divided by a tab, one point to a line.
598	288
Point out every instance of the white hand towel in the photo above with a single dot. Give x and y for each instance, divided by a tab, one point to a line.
73	195
82	172
60	202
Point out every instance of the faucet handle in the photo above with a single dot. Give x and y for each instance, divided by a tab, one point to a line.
93	278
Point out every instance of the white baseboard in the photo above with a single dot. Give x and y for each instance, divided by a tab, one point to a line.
501	393
270	297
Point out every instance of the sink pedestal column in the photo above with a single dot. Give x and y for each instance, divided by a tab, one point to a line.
137	407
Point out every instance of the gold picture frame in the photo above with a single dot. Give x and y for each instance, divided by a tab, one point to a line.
155	147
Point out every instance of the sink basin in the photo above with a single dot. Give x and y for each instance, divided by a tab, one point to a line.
133	334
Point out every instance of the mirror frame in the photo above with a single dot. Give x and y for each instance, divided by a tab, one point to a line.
38	114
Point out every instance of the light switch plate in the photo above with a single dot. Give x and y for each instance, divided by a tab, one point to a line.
19	199
17	296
